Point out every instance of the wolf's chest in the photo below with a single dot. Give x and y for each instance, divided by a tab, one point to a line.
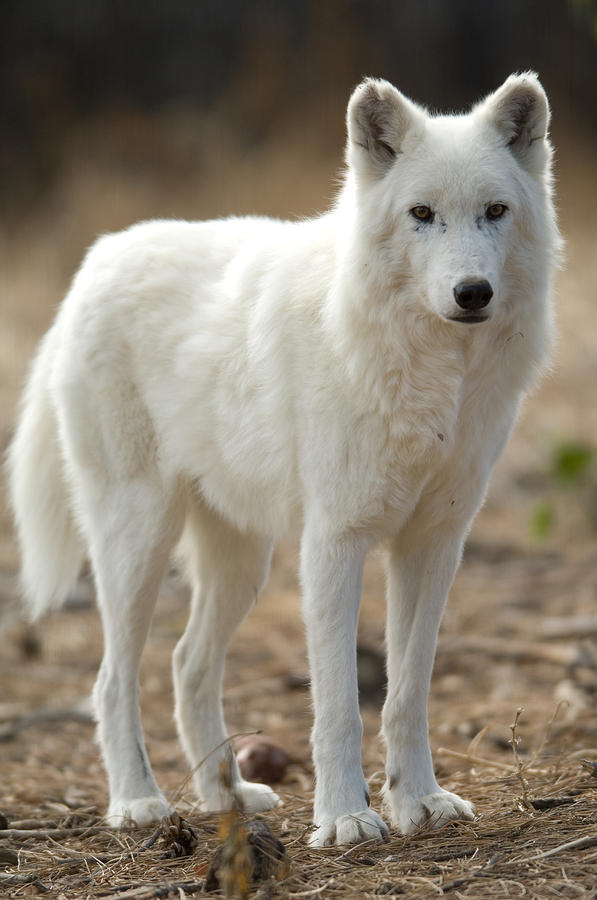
449	430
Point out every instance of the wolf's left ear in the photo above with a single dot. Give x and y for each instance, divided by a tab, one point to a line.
378	120
520	112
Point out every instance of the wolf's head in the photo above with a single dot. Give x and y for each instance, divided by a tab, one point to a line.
454	210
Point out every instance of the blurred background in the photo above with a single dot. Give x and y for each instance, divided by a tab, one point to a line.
118	110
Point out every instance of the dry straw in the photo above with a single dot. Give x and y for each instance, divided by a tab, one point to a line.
535	836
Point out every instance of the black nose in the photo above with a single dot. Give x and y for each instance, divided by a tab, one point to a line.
473	295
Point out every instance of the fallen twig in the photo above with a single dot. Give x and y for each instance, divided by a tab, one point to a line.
9	730
32	824
313	891
149	891
457	853
569	627
97	858
480	760
458	882
518	651
42	834
578	844
355	849
22	879
550	802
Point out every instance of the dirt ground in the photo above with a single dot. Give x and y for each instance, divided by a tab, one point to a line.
519	631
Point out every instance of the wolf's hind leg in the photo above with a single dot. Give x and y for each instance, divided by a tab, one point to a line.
134	526
229	569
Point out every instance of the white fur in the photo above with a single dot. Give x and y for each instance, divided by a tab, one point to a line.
226	379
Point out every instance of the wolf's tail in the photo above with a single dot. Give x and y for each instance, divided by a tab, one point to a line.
52	551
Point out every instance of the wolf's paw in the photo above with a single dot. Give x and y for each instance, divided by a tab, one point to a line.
141	811
431	811
254	797
249	796
352	828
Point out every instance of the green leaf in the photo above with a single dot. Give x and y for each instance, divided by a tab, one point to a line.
542	520
571	461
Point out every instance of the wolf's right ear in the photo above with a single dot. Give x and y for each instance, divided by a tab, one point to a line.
378	119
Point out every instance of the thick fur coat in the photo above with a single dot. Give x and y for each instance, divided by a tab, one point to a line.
355	375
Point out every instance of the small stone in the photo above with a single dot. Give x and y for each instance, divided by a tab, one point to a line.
261	759
8	857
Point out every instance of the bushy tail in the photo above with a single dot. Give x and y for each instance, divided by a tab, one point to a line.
52	550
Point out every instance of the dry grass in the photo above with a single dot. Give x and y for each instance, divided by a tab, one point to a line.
511	849
494	654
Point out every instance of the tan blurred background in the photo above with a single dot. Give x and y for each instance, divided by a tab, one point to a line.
116	111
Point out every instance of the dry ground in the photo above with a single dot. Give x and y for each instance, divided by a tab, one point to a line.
511	636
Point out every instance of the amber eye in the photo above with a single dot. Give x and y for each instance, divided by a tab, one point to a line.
422	213
496	210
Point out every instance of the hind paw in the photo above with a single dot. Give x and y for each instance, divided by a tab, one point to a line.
255	797
249	796
138	812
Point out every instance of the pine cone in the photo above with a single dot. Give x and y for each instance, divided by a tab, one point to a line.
178	837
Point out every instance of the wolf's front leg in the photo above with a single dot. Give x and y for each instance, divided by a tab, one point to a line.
419	578
331	577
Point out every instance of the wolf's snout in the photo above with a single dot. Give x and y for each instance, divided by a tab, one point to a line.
473	295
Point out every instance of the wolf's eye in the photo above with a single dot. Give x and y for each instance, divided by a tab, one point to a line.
422	213
495	210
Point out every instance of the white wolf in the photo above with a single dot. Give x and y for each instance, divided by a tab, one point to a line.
358	372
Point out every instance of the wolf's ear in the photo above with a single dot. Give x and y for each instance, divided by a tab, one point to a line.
378	119
520	112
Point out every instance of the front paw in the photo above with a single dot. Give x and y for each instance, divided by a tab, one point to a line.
350	828
411	813
138	812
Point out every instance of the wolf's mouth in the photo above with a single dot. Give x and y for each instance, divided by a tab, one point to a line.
469	319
